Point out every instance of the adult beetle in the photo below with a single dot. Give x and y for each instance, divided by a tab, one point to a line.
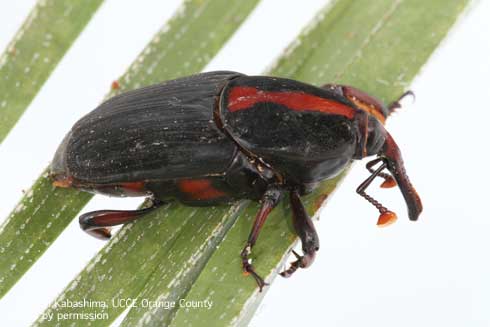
217	137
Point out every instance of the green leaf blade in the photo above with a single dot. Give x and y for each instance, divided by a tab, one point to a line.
126	264
34	224
41	42
190	40
180	265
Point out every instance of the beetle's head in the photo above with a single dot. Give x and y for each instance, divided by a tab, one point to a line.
374	139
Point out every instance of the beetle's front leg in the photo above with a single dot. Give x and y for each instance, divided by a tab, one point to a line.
305	229
396	104
269	200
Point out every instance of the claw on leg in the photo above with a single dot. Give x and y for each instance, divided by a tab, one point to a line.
248	269
306	231
269	200
396	104
301	262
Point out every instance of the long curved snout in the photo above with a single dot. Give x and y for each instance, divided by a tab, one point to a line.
394	161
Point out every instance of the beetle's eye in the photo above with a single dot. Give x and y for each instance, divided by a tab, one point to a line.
376	136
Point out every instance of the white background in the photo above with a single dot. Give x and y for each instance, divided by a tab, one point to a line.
434	272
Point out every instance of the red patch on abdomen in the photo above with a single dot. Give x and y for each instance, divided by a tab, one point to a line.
137	187
200	189
241	98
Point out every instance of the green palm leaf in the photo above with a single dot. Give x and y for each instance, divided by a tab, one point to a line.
36	49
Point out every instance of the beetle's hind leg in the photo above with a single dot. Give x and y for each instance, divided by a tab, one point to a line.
386	217
97	223
269	201
303	225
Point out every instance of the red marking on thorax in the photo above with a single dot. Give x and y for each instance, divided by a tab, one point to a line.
365	102
369	109
200	189
241	98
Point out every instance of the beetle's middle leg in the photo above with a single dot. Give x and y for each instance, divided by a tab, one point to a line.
269	201
386	217
305	229
96	223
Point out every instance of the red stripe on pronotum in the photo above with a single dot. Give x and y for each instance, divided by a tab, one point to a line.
241	98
